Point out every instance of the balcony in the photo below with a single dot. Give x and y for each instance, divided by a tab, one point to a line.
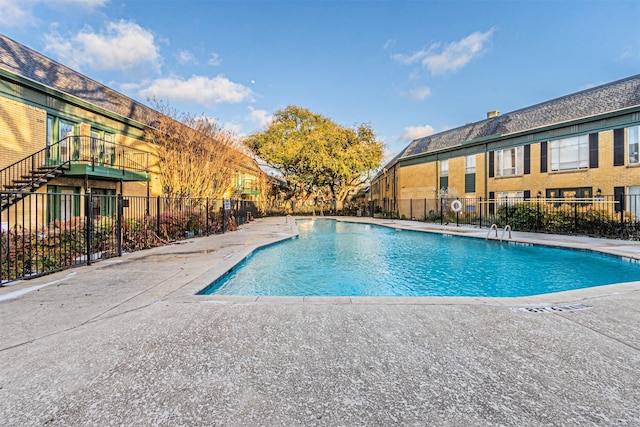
99	158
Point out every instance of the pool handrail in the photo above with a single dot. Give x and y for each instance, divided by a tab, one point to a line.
493	227
506	228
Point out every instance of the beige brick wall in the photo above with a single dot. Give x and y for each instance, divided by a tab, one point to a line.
23	130
417	181
605	176
420	181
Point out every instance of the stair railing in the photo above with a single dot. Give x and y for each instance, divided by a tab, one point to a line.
24	173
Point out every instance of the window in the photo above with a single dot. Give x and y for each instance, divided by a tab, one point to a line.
502	196
104	202
444	167
568	193
633	200
94	142
471	164
444	174
509	162
570	153
470	175
633	145
60	132
109	149
63	203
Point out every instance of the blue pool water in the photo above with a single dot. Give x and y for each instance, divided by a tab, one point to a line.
332	258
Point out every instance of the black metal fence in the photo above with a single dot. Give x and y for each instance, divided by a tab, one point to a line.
315	207
47	232
603	216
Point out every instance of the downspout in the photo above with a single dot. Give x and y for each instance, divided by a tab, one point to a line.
395	187
485	207
437	186
486	170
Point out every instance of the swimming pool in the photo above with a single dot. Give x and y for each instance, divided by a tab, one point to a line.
334	258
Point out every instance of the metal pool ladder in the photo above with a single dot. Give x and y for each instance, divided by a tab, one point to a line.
506	228
495	227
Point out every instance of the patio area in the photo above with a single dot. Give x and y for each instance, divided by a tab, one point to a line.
126	341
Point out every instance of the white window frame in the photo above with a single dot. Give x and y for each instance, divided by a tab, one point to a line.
510	161
632	204
570	153
501	197
470	164
444	168
633	145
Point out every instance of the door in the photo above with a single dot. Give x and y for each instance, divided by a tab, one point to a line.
95	148
68	146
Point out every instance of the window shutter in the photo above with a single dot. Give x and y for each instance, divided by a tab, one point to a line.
491	164
543	157
527	159
444	182
492	205
618	147
593	150
470	183
618	196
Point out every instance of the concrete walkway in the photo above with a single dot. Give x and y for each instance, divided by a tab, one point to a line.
126	342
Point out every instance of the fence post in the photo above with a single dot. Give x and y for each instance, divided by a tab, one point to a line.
621	208
158	206
206	217
1	243
506	211
481	209
119	225
425	210
575	217
88	203
441	211
224	217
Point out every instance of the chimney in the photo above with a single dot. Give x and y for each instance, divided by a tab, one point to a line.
494	113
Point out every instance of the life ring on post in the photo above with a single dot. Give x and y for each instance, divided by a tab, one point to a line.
456	206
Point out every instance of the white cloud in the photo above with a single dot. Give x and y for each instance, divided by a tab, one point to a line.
262	118
450	57
233	128
86	4
214	60
199	89
14	14
418	93
186	57
415	132
388	44
18	13
124	46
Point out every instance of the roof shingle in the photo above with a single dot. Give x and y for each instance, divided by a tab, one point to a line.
26	62
615	96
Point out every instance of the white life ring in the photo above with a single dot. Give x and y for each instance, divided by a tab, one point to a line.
456	205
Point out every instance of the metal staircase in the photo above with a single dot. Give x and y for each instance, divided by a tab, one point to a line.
25	176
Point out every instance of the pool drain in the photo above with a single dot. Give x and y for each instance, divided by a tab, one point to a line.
552	309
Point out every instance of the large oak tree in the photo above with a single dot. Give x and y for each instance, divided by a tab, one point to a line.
316	156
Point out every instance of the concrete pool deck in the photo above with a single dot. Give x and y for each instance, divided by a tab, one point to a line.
125	341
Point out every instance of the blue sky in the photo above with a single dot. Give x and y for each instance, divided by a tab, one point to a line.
408	69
